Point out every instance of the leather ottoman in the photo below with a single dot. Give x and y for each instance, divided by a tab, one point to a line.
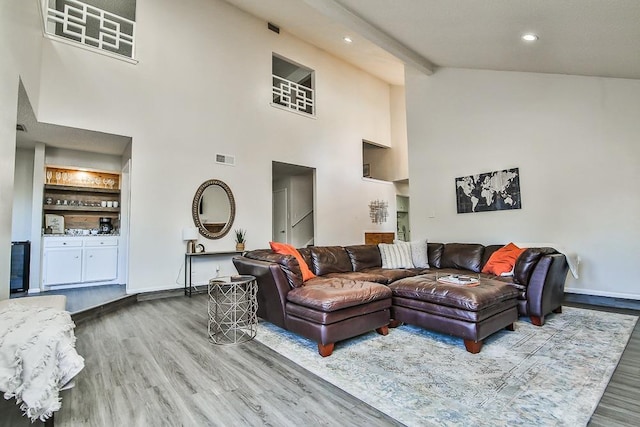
469	312
330	310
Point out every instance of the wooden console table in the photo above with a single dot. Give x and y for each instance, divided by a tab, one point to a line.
379	237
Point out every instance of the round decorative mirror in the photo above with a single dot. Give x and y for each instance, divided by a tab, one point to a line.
213	209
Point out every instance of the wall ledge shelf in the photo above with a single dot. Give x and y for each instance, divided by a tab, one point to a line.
68	208
75	189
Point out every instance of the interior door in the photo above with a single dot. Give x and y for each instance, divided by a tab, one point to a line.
280	212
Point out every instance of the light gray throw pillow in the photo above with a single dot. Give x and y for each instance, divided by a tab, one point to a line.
419	255
397	255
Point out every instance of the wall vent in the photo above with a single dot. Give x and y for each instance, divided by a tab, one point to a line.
273	27
21	128
225	159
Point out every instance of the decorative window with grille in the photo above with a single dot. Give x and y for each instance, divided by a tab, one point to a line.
293	86
104	26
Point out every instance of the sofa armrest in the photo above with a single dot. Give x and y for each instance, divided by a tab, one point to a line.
545	291
273	287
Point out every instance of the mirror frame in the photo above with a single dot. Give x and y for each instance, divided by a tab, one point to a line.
195	207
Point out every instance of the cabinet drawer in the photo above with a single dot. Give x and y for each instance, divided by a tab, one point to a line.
62	243
98	242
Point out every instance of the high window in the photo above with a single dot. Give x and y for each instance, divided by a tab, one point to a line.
104	26
292	86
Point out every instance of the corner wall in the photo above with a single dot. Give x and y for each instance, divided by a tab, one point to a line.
575	140
20	47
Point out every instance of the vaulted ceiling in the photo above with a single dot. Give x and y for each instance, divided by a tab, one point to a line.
580	37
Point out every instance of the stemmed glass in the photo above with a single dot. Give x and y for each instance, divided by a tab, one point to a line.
105	181
49	175
65	177
58	176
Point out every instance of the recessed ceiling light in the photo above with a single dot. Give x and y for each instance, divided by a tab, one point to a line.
347	39
529	37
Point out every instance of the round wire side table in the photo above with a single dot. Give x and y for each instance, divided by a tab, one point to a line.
232	309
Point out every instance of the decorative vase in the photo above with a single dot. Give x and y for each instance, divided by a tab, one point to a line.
239	247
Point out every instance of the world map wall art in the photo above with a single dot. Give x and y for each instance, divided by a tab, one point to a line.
491	191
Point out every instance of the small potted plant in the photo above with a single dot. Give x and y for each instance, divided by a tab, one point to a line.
240	239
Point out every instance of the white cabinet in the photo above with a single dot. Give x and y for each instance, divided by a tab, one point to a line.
62	265
100	264
69	260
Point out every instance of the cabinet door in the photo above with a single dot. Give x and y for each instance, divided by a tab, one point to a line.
62	266
100	263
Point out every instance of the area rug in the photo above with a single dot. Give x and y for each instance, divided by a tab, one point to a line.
552	375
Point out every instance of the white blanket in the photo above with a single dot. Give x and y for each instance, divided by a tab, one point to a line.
572	258
37	357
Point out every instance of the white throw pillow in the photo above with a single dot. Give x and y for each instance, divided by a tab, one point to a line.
396	255
419	254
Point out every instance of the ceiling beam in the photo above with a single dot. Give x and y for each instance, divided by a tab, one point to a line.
336	11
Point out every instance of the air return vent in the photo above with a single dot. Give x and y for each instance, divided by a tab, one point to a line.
273	27
225	159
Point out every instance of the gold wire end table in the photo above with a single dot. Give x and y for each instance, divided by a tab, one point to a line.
232	309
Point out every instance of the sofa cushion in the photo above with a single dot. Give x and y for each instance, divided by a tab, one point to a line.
502	261
332	294
360	275
396	255
288	264
364	256
467	256
286	249
393	274
526	263
306	255
481	297
330	259
434	251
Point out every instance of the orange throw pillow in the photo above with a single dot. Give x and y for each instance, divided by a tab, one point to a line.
502	260
285	249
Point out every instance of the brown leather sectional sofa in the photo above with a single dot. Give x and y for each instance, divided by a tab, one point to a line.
352	294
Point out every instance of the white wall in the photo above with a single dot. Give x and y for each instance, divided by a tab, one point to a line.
83	159
20	44
204	88
22	192
575	140
398	110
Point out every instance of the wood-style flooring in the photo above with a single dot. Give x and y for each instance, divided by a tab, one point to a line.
151	364
620	403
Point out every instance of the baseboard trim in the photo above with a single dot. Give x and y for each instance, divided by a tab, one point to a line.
602	301
602	293
116	304
102	309
154	289
170	293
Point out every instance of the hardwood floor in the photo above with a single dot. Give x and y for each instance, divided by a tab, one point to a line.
151	364
620	403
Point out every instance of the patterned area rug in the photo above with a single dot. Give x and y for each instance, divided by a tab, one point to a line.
554	375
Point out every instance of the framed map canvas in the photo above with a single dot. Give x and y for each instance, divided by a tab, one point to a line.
490	191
